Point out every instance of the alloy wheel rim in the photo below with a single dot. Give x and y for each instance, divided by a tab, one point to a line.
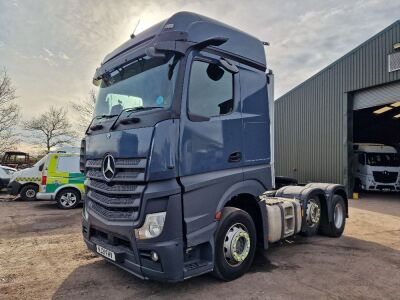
30	193
68	199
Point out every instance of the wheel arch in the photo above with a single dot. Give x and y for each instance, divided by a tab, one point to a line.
68	186
244	195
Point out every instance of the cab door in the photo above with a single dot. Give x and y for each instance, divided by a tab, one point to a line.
210	147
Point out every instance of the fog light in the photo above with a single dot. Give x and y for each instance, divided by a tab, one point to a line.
154	256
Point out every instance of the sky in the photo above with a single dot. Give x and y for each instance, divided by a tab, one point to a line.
51	48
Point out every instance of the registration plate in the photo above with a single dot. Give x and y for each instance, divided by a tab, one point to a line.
105	252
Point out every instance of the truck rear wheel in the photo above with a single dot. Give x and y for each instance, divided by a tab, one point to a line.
28	192
68	198
338	217
313	217
235	244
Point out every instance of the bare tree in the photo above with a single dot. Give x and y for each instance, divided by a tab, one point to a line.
84	110
9	113
52	128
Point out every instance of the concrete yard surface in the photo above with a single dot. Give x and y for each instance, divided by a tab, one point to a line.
43	256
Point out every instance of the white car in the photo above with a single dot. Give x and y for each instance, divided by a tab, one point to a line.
5	175
376	167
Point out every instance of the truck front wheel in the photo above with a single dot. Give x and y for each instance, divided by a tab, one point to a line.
28	192
235	244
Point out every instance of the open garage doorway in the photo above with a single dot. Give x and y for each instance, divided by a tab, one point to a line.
375	165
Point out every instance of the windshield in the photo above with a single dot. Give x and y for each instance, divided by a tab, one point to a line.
383	159
146	82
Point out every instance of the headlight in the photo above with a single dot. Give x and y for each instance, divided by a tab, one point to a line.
152	227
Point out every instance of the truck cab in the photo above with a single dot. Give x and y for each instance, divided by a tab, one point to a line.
179	151
376	167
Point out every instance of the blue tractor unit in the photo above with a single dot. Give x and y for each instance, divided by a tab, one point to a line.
179	157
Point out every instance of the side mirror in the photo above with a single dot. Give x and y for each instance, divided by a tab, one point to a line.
41	167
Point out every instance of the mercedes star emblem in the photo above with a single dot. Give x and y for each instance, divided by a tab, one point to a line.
108	167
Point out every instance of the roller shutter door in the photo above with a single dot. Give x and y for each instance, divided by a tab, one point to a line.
382	95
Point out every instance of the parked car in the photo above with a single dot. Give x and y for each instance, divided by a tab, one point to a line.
62	180
5	175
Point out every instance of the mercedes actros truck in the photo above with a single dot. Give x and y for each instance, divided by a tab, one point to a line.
179	157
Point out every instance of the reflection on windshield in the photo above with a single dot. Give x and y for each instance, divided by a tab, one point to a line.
147	82
383	159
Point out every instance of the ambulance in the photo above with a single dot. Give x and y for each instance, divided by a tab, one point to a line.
61	180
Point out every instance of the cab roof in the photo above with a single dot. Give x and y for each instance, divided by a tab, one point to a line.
195	28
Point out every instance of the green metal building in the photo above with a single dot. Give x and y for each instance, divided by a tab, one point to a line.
318	121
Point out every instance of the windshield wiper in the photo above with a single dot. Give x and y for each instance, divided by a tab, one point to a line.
98	126
132	110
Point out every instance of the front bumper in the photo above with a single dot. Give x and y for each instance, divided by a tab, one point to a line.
133	255
382	187
13	188
45	196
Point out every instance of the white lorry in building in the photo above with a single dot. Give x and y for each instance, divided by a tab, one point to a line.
376	167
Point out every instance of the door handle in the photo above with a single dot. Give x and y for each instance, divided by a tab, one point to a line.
235	157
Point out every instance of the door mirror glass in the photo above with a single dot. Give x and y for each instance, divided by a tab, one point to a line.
41	167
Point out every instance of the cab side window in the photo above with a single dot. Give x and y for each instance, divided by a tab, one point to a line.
210	90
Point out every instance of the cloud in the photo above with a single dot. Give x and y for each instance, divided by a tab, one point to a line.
49	53
65	41
62	55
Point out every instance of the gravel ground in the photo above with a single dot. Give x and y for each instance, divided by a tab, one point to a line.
42	256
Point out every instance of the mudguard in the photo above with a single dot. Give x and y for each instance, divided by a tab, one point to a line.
302	193
330	190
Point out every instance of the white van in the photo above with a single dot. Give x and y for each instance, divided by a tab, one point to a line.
376	167
26	182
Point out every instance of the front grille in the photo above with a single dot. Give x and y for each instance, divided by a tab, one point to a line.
120	198
385	177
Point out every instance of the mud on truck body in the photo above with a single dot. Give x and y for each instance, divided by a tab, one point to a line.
179	157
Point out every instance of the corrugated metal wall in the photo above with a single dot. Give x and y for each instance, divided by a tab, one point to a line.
311	121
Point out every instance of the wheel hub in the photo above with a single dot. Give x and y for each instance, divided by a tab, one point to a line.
338	216
236	244
313	212
30	193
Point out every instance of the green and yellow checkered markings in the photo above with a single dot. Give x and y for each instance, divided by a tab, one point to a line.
28	179
53	183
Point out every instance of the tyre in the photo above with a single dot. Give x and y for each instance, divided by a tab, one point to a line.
338	217
28	192
313	217
235	244
68	198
